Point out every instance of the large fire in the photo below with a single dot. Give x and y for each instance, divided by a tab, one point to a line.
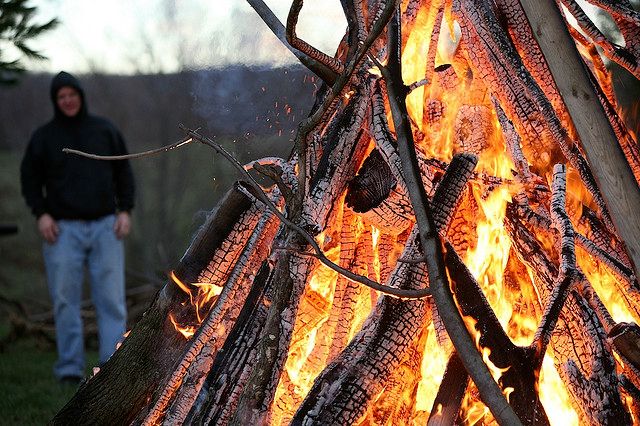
460	118
508	296
487	256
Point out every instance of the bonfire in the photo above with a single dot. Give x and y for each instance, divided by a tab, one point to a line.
453	239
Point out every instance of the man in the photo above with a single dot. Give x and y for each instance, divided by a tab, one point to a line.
82	208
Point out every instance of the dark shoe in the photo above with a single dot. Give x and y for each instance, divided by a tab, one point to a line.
70	380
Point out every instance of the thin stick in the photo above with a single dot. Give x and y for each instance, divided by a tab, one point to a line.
417	84
166	148
391	291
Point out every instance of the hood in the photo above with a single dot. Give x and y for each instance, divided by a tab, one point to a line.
59	81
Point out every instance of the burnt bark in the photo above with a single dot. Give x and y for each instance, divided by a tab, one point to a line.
123	386
452	389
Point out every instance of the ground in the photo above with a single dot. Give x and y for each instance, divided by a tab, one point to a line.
29	395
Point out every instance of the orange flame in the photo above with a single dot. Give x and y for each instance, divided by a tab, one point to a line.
202	302
438	110
187	331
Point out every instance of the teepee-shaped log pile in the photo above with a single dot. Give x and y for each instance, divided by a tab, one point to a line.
436	249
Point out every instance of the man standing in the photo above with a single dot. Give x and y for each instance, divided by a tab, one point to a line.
82	208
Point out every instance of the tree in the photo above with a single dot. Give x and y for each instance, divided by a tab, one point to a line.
16	30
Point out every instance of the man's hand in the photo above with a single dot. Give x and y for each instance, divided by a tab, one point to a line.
48	228
122	226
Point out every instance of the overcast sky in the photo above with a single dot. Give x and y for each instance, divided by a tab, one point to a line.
128	36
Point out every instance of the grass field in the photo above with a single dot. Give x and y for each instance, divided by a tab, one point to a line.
29	395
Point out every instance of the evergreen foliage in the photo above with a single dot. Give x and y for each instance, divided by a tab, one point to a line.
16	30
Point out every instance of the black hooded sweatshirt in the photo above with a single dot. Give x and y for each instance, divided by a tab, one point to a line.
69	186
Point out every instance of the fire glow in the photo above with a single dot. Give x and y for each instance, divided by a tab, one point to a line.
487	257
538	276
201	302
487	254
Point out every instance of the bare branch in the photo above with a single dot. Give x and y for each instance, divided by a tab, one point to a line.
318	68
568	274
330	62
420	83
396	292
166	148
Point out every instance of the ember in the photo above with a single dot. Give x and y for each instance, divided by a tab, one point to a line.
333	296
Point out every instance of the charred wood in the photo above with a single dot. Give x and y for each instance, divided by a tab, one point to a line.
230	370
341	394
186	381
452	389
522	369
123	386
585	365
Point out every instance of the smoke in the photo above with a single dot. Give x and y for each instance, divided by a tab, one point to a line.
254	85
245	102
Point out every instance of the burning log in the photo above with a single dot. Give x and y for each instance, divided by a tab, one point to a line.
145	360
232	365
596	133
290	334
342	393
347	293
185	383
579	329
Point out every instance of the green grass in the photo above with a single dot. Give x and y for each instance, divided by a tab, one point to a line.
21	268
29	394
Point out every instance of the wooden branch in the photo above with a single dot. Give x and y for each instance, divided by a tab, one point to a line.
607	160
618	54
568	274
585	289
410	294
345	295
372	355
431	244
182	142
320	69
330	62
275	174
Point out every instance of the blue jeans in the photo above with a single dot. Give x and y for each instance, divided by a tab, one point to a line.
91	244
